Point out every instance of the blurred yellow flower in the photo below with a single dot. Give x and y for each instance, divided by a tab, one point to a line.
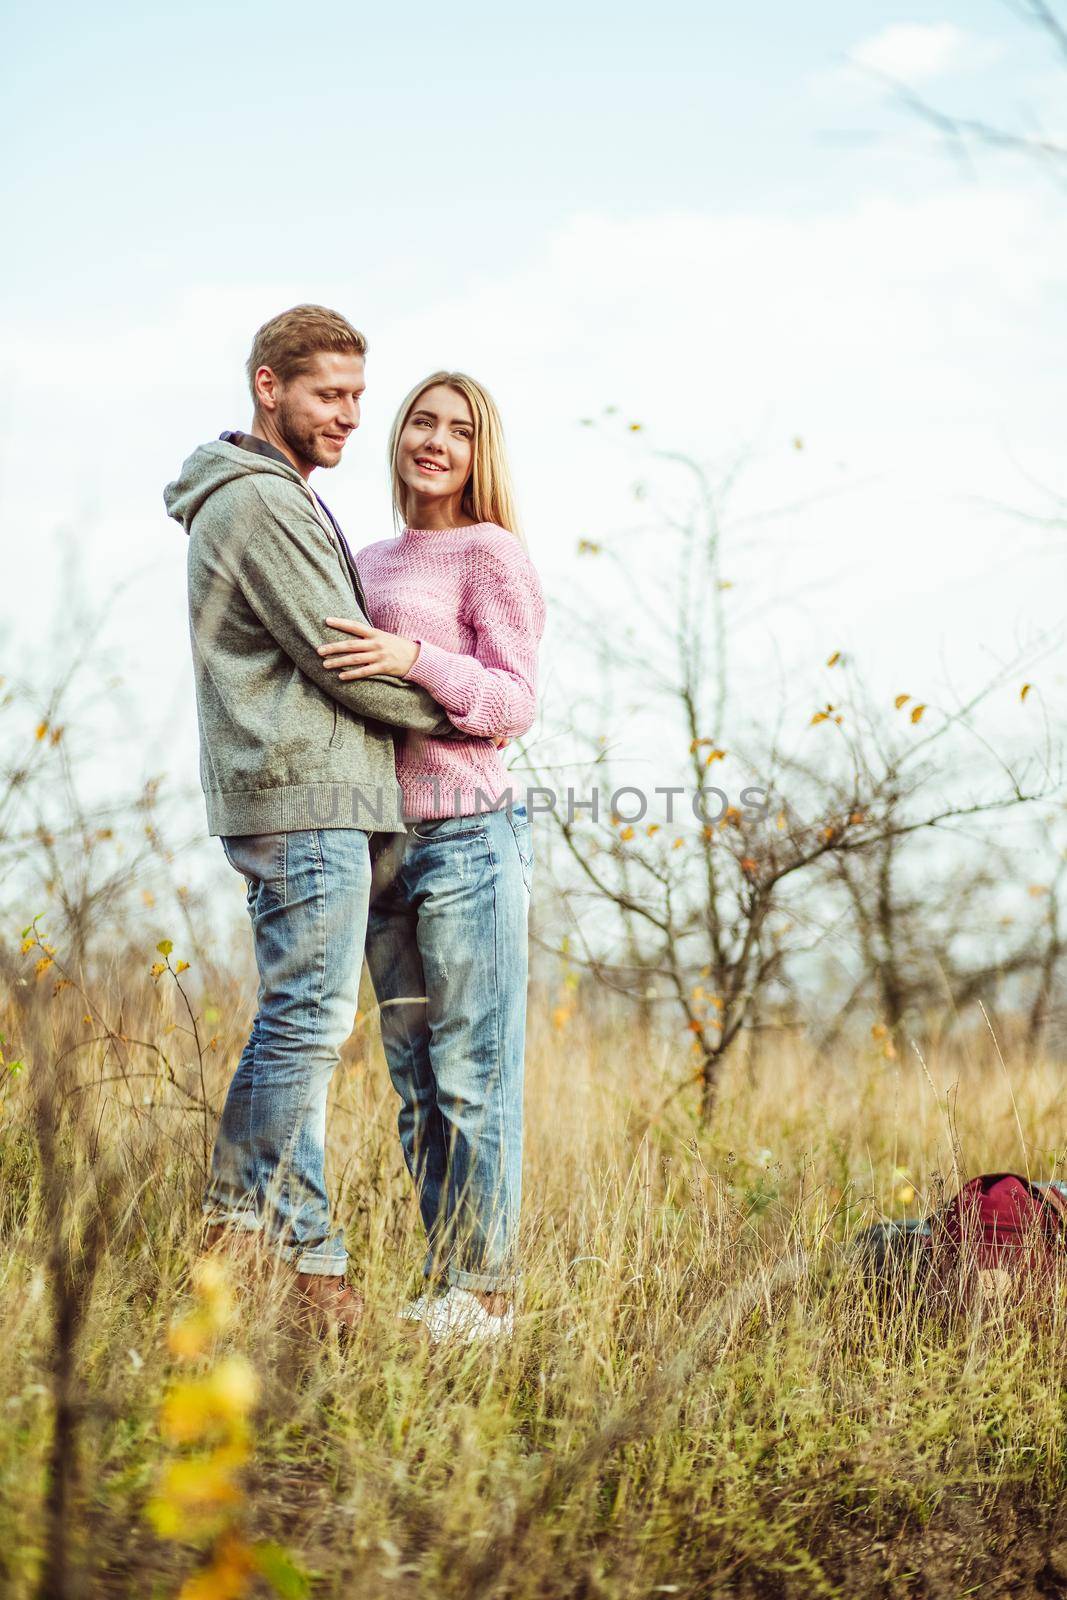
219	1401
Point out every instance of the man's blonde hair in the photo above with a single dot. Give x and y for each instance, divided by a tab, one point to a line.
288	343
488	495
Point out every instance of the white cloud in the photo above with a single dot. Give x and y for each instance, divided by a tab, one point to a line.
912	341
917	51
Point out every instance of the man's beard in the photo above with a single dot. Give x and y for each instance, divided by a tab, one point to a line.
302	441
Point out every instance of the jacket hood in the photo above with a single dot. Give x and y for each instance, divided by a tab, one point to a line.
209	467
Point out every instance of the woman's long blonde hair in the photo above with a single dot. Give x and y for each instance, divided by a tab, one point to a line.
488	496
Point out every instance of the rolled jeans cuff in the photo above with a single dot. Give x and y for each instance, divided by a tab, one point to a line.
484	1282
326	1260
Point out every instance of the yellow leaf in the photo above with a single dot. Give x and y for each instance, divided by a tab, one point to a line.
43	965
186	1413
167	1520
227	1578
1025	690
165	946
218	1401
148	897
917	713
211	1281
716	755
901	699
158	968
878	1030
181	966
198	1481
588	547
652	828
1037	889
834	659
677	845
627	833
42	729
28	944
781	822
189	1338
635	427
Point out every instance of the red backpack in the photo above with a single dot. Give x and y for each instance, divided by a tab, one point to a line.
1001	1220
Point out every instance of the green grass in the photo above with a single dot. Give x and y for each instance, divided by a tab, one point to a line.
702	1396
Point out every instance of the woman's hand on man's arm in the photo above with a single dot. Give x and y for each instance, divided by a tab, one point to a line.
371	652
368	652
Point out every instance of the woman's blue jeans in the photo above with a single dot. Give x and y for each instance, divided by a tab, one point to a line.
307	898
447	951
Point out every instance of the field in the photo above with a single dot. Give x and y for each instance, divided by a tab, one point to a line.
702	1398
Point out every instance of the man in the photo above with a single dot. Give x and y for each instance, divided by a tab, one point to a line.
297	768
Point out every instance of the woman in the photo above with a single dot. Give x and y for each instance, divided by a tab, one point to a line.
457	607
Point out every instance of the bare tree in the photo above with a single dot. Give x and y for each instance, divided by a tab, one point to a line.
76	835
718	918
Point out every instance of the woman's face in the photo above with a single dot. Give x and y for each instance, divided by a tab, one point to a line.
437	445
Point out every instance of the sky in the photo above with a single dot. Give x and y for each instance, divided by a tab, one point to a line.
722	222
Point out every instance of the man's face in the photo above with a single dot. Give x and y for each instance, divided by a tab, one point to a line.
316	412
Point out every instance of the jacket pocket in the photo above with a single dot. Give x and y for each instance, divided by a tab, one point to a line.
337	735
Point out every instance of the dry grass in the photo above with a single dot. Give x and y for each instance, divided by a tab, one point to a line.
702	1397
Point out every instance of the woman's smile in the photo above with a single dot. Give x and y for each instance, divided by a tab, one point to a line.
435	456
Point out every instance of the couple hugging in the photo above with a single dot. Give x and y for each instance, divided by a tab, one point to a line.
356	784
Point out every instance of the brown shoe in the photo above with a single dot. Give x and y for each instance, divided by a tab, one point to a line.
329	1302
219	1238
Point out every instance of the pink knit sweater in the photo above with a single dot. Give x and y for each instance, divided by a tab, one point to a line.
472	600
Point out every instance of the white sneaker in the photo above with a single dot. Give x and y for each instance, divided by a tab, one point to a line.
460	1315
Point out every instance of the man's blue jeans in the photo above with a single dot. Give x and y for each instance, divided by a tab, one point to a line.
447	951
307	898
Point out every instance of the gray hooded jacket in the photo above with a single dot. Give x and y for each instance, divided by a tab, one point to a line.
284	744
